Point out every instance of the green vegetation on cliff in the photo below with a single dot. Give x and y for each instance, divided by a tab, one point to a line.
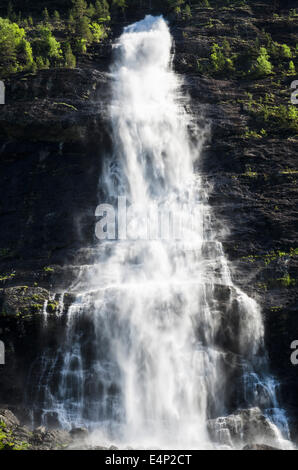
51	39
54	34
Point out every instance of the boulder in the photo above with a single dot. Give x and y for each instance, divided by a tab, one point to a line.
8	419
79	433
245	426
22	300
259	447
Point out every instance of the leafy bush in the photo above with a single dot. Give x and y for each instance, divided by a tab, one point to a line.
98	32
41	63
15	51
282	116
46	45
292	69
25	55
263	66
219	61
81	46
286	51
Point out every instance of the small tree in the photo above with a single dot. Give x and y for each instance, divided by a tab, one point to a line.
57	18
79	8
187	12
46	16
219	61
263	66
286	51
91	11
10	11
102	10
46	45
70	59
71	26
11	36
83	29
25	55
98	31
81	46
292	69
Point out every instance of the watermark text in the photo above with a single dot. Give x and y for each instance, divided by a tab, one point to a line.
294	95
2	353
2	92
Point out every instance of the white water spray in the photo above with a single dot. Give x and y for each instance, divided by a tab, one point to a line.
170	342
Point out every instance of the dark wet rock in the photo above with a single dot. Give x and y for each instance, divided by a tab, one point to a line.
8	418
20	437
244	426
53	106
42	439
23	300
259	447
79	433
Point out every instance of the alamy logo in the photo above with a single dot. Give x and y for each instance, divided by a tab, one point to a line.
2	353
2	92
294	95
294	355
156	222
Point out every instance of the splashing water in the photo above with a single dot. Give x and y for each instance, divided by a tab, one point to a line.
161	340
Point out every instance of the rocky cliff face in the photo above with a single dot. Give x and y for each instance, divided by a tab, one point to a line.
54	137
254	179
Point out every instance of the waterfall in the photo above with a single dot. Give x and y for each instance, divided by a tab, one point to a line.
160	345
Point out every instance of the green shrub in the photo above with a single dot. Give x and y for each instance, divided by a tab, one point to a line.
286	51
41	63
292	69
102	11
46	16
284	117
25	55
70	59
187	12
79	8
57	19
263	66
81	46
98	32
11	43
46	45
219	61
83	30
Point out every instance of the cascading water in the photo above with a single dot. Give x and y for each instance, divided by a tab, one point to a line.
160	340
